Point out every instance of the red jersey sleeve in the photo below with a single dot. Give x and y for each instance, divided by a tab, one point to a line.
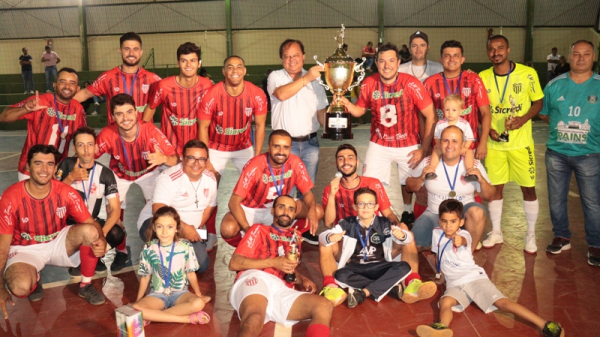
251	243
160	140
260	102
366	89
104	142
30	115
481	96
418	92
157	96
76	208
100	85
207	104
250	177
325	199
8	219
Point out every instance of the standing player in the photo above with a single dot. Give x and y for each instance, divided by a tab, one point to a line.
265	177
51	118
180	98
128	78
511	87
226	117
419	66
96	185
395	100
136	149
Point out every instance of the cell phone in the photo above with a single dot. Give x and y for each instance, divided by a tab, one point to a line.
203	233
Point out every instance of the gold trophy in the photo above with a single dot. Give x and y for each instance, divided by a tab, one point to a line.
292	255
339	73
504	136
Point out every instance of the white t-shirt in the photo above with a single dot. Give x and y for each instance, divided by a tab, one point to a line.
422	71
457	264
551	66
461	124
297	114
174	188
438	188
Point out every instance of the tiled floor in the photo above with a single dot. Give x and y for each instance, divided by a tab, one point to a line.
562	287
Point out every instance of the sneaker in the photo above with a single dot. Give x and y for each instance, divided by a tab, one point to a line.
530	246
333	294
493	239
38	293
75	271
310	239
594	256
210	243
91	294
94	113
558	245
32	92
471	178
96	104
48	90
26	92
100	266
408	218
553	329
355	297
430	176
434	330
119	262
418	290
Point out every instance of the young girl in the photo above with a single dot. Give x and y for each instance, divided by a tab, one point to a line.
170	263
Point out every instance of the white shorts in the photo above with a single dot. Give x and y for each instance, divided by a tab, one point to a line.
41	254
258	215
378	160
483	292
239	158
280	298
147	182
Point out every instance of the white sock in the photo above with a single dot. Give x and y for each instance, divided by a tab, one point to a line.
495	208
408	208
532	208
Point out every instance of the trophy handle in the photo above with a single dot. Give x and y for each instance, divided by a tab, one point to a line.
319	78
358	68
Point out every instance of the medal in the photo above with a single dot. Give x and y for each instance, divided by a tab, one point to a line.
167	291
63	135
167	276
438	276
452	194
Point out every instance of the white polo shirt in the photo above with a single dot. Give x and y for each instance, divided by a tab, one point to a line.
421	72
297	114
551	66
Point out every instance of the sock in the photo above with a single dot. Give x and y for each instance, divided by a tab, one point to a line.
122	247
88	264
411	277
495	208
302	226
234	241
419	209
532	209
408	208
329	281
318	330
210	224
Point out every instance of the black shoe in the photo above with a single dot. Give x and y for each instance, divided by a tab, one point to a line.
471	177
553	329
558	245
75	271
91	294
310	239
594	256
408	218
355	297
430	176
119	262
100	267
38	293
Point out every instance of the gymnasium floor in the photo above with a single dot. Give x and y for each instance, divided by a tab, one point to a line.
562	287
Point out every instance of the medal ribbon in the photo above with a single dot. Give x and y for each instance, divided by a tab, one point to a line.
505	83
280	188
129	92
60	125
162	264
440	253
455	173
364	241
137	132
457	85
86	196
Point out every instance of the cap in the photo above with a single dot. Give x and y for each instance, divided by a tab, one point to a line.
419	34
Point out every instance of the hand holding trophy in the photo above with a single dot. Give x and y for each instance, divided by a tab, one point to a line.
504	136
339	73
292	255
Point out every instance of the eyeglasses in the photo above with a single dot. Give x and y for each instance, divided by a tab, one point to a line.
369	205
192	160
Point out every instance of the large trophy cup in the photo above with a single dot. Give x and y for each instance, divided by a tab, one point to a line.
339	72
504	136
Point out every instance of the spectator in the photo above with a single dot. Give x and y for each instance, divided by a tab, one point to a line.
552	60
95	99
26	71
369	53
50	59
205	74
562	67
405	54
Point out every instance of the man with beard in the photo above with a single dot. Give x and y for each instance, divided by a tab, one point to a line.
338	202
261	293
136	148
128	78
51	118
180	98
226	117
515	88
263	179
34	232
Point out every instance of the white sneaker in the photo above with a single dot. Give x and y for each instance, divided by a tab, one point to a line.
48	90
530	246
32	92
493	239
94	113
25	92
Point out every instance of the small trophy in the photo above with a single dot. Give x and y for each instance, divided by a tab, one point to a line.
504	136
292	255
339	73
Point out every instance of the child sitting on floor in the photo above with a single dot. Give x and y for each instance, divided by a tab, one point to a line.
466	282
170	263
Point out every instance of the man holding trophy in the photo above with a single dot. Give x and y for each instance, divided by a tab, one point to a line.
515	98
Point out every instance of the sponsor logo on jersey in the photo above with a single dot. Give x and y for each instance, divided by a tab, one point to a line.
376	94
375	239
231	131
501	110
260	102
220	113
145	88
248	178
466	92
116	89
173	104
517	87
61	211
560	99
437	95
592	99
269	179
248	111
145	154
208	106
174	120
183	121
76	201
251	281
25	220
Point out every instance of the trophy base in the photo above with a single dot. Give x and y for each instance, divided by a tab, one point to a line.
503	138
338	124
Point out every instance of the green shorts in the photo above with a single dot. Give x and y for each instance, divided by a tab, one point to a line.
514	165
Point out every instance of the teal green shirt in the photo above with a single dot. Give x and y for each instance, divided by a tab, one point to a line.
574	111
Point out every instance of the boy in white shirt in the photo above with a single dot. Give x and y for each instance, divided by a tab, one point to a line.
466	282
452	111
